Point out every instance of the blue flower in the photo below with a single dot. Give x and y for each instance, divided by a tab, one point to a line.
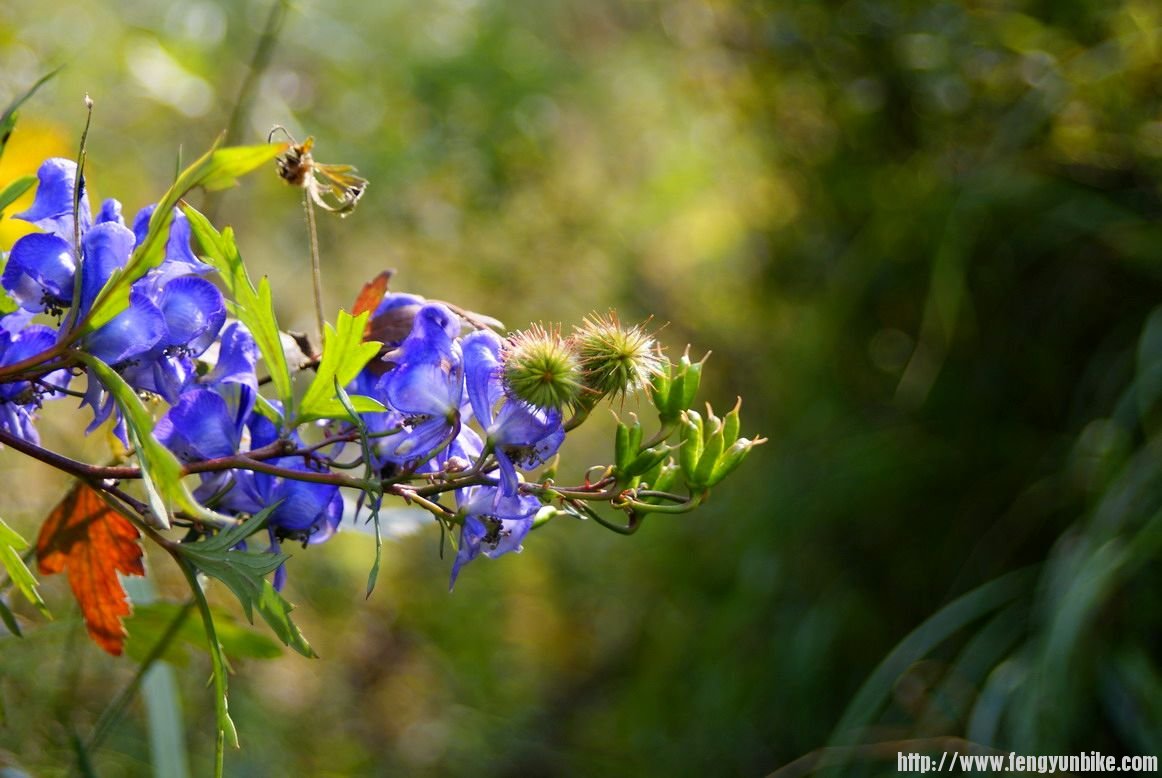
19	400
425	388
519	434
494	524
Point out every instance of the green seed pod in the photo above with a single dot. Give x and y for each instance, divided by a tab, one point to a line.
667	478
691	451
693	378
731	423
711	451
621	455
647	460
732	458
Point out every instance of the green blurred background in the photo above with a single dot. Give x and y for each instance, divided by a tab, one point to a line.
923	243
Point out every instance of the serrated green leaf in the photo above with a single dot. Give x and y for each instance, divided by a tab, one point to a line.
216	169
253	306
241	571
161	472
11	544
149	622
344	354
13	191
276	611
8	120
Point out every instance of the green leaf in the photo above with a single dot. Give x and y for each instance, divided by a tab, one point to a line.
13	191
149	622
216	169
276	611
244	573
959	613
8	120
344	355
9	619
160	470
253	307
11	544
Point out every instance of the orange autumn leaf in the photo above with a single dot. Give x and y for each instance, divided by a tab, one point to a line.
92	542
371	295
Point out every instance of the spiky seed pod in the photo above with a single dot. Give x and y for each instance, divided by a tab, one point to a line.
616	360
541	368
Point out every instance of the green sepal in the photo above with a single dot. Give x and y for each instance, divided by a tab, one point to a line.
252	306
11	544
690	453
345	353
216	169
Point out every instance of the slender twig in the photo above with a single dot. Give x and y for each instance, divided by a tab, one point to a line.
78	193
316	271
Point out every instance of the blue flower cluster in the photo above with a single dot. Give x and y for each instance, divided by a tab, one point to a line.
174	313
434	383
441	383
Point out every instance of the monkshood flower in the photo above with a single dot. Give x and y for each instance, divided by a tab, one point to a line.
215	419
519	434
426	386
19	400
171	317
495	523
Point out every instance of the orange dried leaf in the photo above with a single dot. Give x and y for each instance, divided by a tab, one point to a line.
92	542
371	295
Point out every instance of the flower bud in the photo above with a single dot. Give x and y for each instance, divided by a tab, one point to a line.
541	368
616	360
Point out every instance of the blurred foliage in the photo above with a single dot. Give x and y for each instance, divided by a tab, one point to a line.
923	241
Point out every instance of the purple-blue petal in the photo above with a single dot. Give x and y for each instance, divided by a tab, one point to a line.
106	247
110	212
194	313
131	333
40	271
481	373
52	208
199	426
180	260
